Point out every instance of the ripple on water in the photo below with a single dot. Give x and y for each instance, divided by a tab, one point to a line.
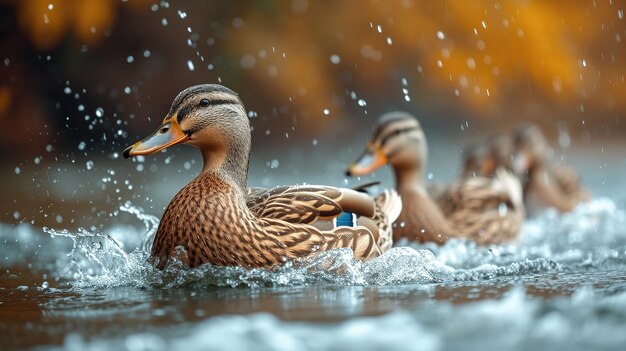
516	322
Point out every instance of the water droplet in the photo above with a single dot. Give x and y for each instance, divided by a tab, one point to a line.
362	102
147	53
81	146
44	285
247	61
335	59
99	112
471	63
130	59
164	21
127	90
326	112
18	170
440	35
431	176
190	65
274	163
48	147
182	14
16	215
89	165
37	160
59	218
187	165
50	7
81	107
67	90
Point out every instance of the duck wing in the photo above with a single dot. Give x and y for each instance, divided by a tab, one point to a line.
487	210
309	203
299	240
568	181
291	216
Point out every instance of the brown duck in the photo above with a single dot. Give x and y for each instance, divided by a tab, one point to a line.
483	159
217	219
483	209
546	183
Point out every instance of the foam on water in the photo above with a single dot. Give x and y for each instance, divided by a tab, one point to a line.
516	322
592	237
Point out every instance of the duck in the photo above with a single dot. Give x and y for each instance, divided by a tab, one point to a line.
219	220
546	184
481	209
484	158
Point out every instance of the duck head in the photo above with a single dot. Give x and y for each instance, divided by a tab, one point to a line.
485	158
398	141
210	117
477	161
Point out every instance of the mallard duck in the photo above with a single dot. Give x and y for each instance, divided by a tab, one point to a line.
217	219
482	209
546	183
483	159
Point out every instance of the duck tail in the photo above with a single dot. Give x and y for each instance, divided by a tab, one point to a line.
390	203
387	210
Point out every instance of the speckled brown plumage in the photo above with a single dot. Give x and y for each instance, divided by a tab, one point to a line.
483	209
217	219
546	184
212	221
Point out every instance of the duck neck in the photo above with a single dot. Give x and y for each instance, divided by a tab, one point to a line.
409	178
231	162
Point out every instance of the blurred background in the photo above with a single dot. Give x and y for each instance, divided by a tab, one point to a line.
82	79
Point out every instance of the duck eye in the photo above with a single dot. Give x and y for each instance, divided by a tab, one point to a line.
204	102
165	129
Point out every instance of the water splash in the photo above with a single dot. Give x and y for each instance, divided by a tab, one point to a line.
590	238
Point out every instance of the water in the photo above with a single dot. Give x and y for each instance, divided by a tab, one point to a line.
563	285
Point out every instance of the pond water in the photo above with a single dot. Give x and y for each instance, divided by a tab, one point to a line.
562	286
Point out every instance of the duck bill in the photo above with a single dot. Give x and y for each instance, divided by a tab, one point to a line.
372	159
168	134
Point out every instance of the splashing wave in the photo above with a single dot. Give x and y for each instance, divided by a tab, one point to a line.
592	237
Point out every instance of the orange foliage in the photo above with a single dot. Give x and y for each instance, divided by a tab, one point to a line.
47	21
489	53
